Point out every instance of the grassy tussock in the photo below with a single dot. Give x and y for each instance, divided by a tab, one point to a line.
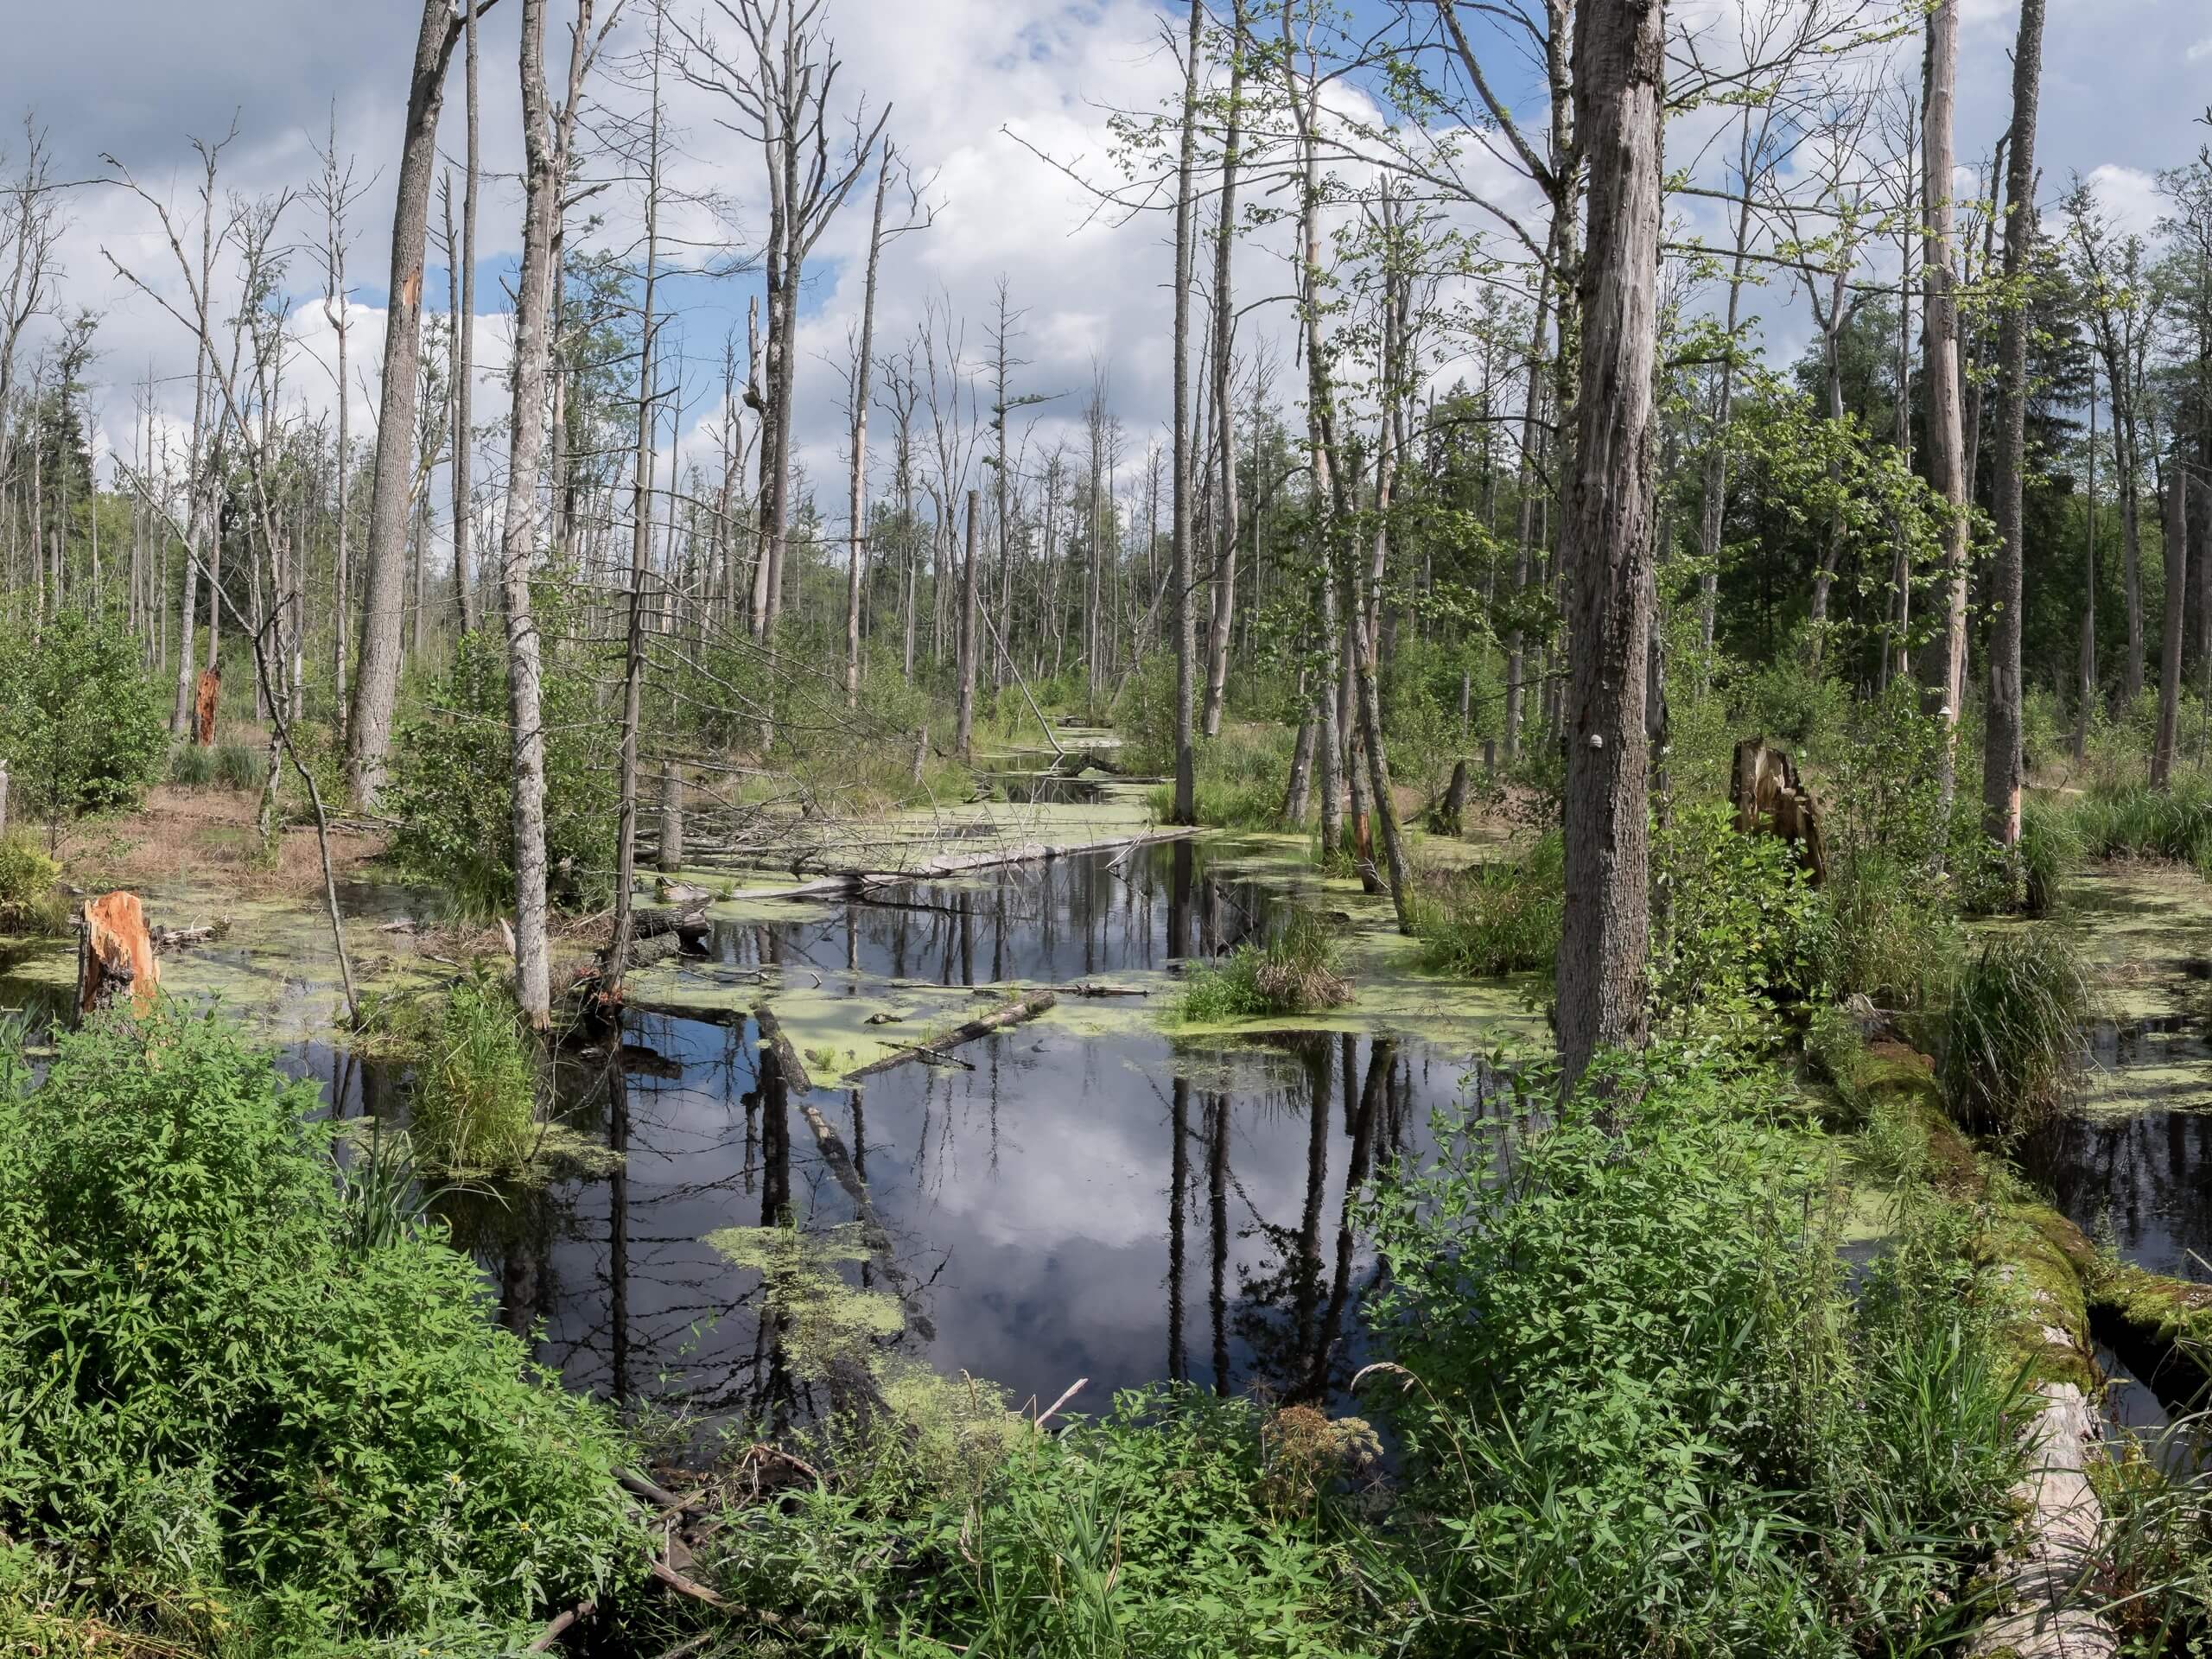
474	1103
1296	972
2011	1041
1493	918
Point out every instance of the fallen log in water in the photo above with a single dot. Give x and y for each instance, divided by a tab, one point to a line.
172	939
1025	852
772	1034
1013	1014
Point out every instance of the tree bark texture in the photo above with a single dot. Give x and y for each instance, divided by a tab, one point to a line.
376	685
2003	762
1605	538
1946	436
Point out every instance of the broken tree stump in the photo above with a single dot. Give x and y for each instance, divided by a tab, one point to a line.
1771	800
203	706
115	954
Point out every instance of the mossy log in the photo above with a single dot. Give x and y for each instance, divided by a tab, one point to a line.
2161	1326
115	954
772	1036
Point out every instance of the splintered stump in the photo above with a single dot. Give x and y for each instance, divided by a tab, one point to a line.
1771	800
115	954
203	706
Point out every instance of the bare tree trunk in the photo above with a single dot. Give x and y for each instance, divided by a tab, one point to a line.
856	500
1186	803
1225	419
376	689
1946	439
535	285
464	352
2175	523
2003	763
1605	543
964	729
2086	669
641	519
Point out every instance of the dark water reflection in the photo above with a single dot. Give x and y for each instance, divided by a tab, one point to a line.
2144	1180
1101	1208
1118	1207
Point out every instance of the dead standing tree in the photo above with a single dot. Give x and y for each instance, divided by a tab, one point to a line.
1606	540
391	495
779	90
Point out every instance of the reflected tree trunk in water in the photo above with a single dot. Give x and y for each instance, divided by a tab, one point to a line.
1381	1058
1308	1269
1178	901
618	1226
1178	1182
1217	1203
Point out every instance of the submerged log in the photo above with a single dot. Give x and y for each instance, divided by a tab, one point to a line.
1013	1014
115	954
795	1071
209	690
172	939
1770	799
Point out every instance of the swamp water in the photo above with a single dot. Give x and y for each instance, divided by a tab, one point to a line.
1094	1194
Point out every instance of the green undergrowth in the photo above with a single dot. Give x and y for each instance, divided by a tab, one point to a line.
1176	1523
1493	918
2138	821
1642	1412
1299	970
227	765
2012	1037
474	1070
31	900
243	1417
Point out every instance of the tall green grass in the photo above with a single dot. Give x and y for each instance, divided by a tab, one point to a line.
1297	971
236	1424
1493	918
227	765
474	1102
1640	1411
2011	1036
2135	821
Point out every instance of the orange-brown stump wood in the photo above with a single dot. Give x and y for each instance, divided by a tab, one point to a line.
203	706
115	954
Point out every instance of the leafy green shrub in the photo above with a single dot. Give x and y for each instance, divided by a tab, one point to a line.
82	724
1295	972
29	901
1742	934
474	1102
229	1423
1166	1527
452	783
1641	1412
2011	1042
1492	919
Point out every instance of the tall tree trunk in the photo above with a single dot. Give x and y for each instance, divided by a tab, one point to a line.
2175	524
2003	762
2128	458
1225	419
856	496
641	520
1185	802
964	726
375	688
1605	542
534	286
464	349
1945	439
2086	669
